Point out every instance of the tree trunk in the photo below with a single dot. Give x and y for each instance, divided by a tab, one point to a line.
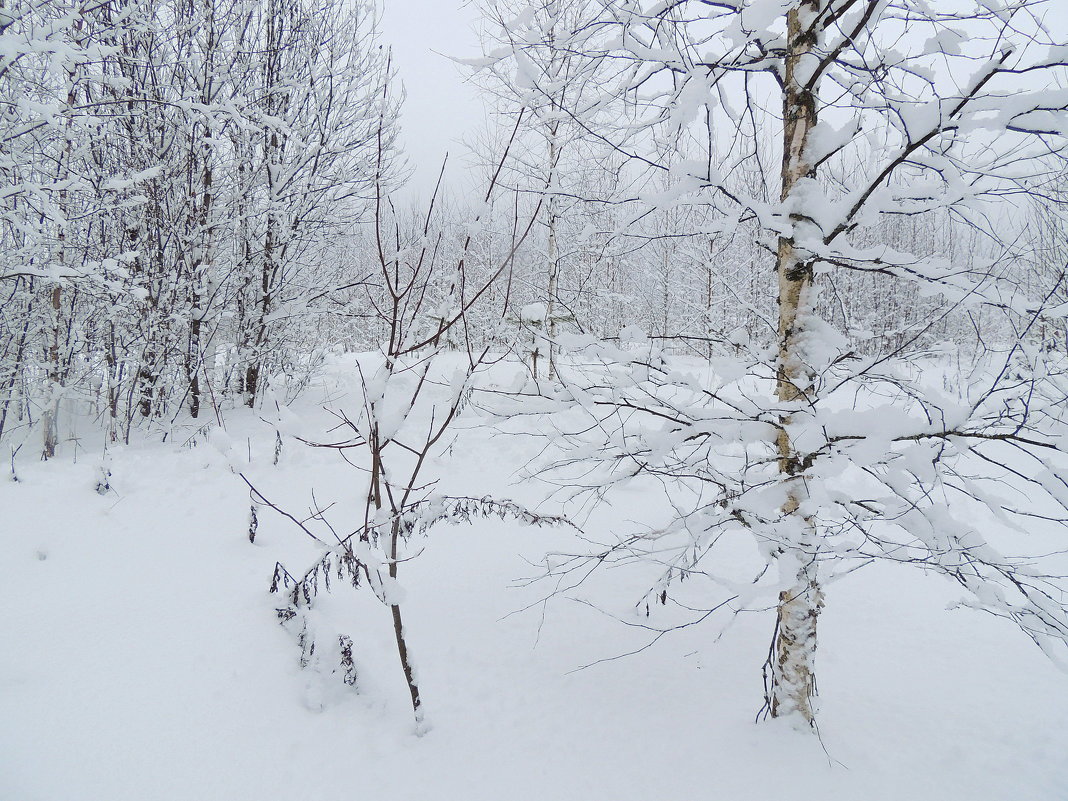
273	151
377	495
554	264
398	632
203	233
49	419
8	388
792	681
552	214
552	255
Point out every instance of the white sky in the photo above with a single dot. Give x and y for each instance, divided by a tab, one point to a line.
440	108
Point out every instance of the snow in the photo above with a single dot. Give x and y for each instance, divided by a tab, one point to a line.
533	314
143	660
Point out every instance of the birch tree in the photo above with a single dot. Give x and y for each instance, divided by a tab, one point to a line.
525	68
956	110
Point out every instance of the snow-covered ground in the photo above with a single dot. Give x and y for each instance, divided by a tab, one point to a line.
141	658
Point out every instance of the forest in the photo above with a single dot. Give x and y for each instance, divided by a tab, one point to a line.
739	357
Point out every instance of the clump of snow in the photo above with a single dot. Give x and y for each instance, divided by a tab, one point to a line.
533	314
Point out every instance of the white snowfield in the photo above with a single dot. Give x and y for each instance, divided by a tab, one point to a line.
141	658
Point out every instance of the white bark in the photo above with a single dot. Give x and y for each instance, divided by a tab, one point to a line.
793	680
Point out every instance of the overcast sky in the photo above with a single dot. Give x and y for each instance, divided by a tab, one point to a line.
440	108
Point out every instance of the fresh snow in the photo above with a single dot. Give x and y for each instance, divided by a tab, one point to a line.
142	658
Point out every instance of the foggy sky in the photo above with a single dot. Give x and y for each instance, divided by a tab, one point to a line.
440	108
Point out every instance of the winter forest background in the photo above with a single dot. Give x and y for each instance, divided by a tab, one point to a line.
740	328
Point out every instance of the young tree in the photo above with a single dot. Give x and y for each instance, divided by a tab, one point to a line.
951	110
413	389
526	69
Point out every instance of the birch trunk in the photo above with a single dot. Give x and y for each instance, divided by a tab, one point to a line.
792	663
554	263
552	213
50	417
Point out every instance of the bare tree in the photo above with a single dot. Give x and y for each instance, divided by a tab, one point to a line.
413	390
